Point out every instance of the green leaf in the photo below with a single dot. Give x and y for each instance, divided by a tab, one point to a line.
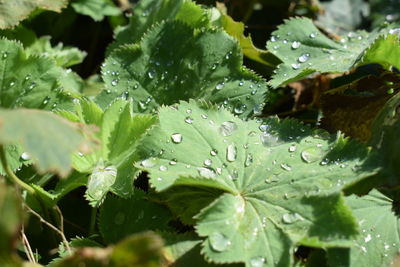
305	50
281	181
120	132
96	9
122	217
148	13
379	241
385	51
11	218
12	12
236	29
385	132
204	64
28	81
48	139
140	250
63	56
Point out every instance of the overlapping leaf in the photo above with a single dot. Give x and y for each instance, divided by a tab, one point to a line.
280	182
148	13
119	132
96	9
202	64
28	81
379	241
305	50
48	139
12	12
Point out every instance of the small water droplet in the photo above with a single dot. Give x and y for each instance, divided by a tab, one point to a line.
367	238
206	172
204	116
313	35
289	218
189	120
151	74
219	242
240	108
163	168
231	153
286	167
311	154
249	160
292	148
213	152
25	156
303	58
227	128
241	83
296	44
208	162
295	66
176	138
5	55
173	162
148	163
220	86
114	82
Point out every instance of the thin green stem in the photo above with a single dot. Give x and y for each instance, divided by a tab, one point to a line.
93	221
11	175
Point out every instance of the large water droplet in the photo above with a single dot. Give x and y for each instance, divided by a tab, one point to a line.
240	109
303	58
176	138
311	154
296	44
227	128
231	153
219	242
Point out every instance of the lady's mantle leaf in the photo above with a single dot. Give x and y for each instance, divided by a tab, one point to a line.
12	12
379	241
282	181
96	9
202	64
305	50
28	81
47	139
120	132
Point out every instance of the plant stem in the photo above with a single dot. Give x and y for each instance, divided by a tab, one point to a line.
14	178
93	221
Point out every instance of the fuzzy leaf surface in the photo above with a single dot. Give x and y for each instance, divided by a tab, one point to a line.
148	13
379	241
12	12
280	185
204	64
28	81
48	139
305	50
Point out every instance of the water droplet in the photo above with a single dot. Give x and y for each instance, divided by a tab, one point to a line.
249	160
163	168
296	44
240	108
241	83
234	175
286	167
269	140
176	138
311	154
204	116
292	148
173	162
295	66
5	55
189	120
148	163
151	74
273	38
367	238
231	153
227	128
220	86
213	152
257	262
219	242
303	58
208	162
25	156
46	100
206	172
291	218
114	82
313	35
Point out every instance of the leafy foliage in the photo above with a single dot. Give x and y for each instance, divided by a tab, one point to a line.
171	146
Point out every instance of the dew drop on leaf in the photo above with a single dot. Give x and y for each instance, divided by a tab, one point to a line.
303	58
311	154
231	153
219	242
213	152
286	167
296	44
257	262
289	218
206	173
295	66
227	128
173	162
208	162
25	156
292	148
189	120
176	138
240	108
249	160
163	168
220	86
148	163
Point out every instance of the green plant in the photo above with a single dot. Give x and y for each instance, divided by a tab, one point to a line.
185	144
